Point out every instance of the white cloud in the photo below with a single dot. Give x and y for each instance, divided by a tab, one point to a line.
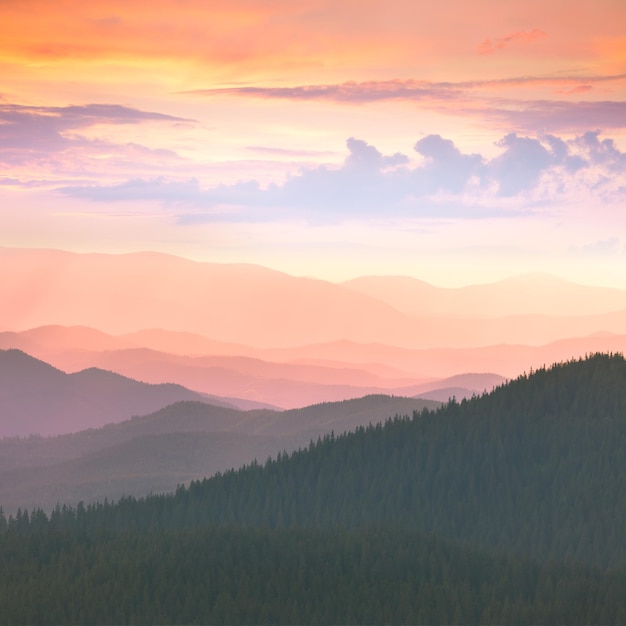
443	182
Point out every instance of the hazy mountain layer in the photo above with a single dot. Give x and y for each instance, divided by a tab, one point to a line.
351	529
255	306
36	398
157	452
237	379
520	295
535	469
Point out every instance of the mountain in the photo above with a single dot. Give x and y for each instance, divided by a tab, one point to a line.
460	386
177	444
285	385
145	464
237	379
232	303
302	375
506	508
258	307
526	294
36	398
534	469
296	576
508	359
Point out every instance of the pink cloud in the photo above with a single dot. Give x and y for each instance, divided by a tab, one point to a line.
408	90
576	89
489	46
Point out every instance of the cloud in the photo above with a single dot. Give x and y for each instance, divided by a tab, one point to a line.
441	181
603	248
31	132
10	182
489	46
577	89
602	152
475	98
181	196
368	182
407	89
446	168
555	116
561	154
291	152
521	164
348	92
168	192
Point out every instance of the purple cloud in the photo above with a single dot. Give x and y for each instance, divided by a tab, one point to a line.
556	116
611	247
408	89
446	182
521	164
368	91
446	168
523	115
602	152
35	132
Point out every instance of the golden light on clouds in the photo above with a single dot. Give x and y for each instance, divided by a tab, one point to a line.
240	123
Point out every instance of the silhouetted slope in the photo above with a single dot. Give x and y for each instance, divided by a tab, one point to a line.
235	576
36	398
144	464
335	533
248	382
535	468
157	452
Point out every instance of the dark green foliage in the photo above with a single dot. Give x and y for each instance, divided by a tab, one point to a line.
215	576
344	532
535	469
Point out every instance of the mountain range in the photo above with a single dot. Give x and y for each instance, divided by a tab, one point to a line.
36	398
94	339
241	380
504	508
181	442
264	308
534	469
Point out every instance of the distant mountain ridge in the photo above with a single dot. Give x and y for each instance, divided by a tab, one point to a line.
506	509
36	398
246	380
262	308
183	441
526	294
534	469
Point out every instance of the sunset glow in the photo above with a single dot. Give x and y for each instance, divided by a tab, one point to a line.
456	142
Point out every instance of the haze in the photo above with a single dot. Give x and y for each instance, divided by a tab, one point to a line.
321	139
293	203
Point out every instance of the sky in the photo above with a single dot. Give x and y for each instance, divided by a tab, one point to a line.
457	142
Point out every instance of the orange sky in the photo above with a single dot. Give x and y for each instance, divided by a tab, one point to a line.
458	142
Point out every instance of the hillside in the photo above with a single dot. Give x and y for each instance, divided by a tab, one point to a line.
518	471
36	398
245	576
241	381
506	508
157	452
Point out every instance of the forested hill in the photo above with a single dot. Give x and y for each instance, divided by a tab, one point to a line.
507	508
534	469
